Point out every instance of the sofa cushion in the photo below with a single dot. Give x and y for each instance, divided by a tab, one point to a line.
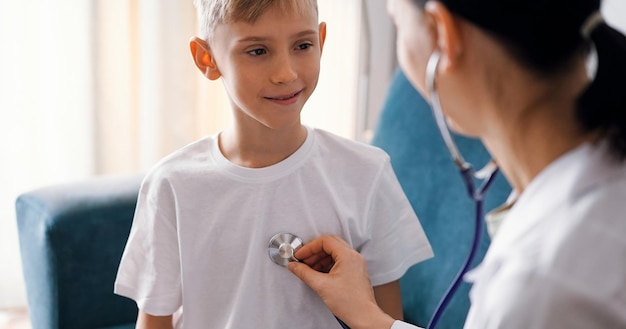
71	239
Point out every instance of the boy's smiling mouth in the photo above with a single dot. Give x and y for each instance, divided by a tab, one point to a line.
287	98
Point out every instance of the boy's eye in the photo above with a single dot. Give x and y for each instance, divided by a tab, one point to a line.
257	52
304	46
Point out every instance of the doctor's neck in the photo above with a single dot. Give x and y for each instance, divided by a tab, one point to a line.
540	128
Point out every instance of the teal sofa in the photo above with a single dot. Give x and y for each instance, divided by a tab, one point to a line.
71	240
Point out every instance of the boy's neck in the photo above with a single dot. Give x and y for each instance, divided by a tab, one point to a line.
261	147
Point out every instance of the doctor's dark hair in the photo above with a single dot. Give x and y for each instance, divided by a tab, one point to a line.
545	35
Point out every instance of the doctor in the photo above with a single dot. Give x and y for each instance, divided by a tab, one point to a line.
513	73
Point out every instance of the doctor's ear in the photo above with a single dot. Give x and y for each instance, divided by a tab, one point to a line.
203	58
448	34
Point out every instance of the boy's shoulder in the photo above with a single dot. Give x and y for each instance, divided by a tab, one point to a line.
341	152
194	154
337	145
190	151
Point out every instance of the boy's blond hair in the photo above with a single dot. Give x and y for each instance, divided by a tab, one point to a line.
211	13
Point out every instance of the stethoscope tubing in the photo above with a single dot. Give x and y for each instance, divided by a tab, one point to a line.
477	195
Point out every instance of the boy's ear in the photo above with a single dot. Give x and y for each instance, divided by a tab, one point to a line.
203	58
322	33
448	37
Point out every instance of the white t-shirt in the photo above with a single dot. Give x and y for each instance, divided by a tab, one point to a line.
559	259
202	228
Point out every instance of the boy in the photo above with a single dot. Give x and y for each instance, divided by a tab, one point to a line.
206	213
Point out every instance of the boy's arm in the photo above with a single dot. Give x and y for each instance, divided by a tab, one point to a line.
147	321
389	299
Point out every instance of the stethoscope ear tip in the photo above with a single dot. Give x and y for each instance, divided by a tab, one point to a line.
282	248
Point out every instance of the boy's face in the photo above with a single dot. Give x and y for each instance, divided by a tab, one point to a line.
269	68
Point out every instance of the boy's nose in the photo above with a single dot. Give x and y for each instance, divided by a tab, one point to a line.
284	71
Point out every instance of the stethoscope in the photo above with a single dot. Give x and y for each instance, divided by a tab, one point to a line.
485	177
281	250
283	246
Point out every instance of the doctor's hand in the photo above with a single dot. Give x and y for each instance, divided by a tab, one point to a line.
345	288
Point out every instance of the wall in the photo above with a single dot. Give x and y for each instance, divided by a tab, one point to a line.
377	64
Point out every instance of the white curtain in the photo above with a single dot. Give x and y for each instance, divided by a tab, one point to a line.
46	111
108	87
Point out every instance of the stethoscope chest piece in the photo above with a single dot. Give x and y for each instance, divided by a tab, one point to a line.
282	248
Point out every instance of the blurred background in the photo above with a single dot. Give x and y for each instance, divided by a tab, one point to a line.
95	87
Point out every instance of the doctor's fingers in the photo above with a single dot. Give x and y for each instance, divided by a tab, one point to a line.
323	246
319	262
346	289
348	276
308	275
321	253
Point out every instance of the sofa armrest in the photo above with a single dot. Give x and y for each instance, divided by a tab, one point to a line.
71	240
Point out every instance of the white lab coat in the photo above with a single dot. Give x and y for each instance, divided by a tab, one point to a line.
559	259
